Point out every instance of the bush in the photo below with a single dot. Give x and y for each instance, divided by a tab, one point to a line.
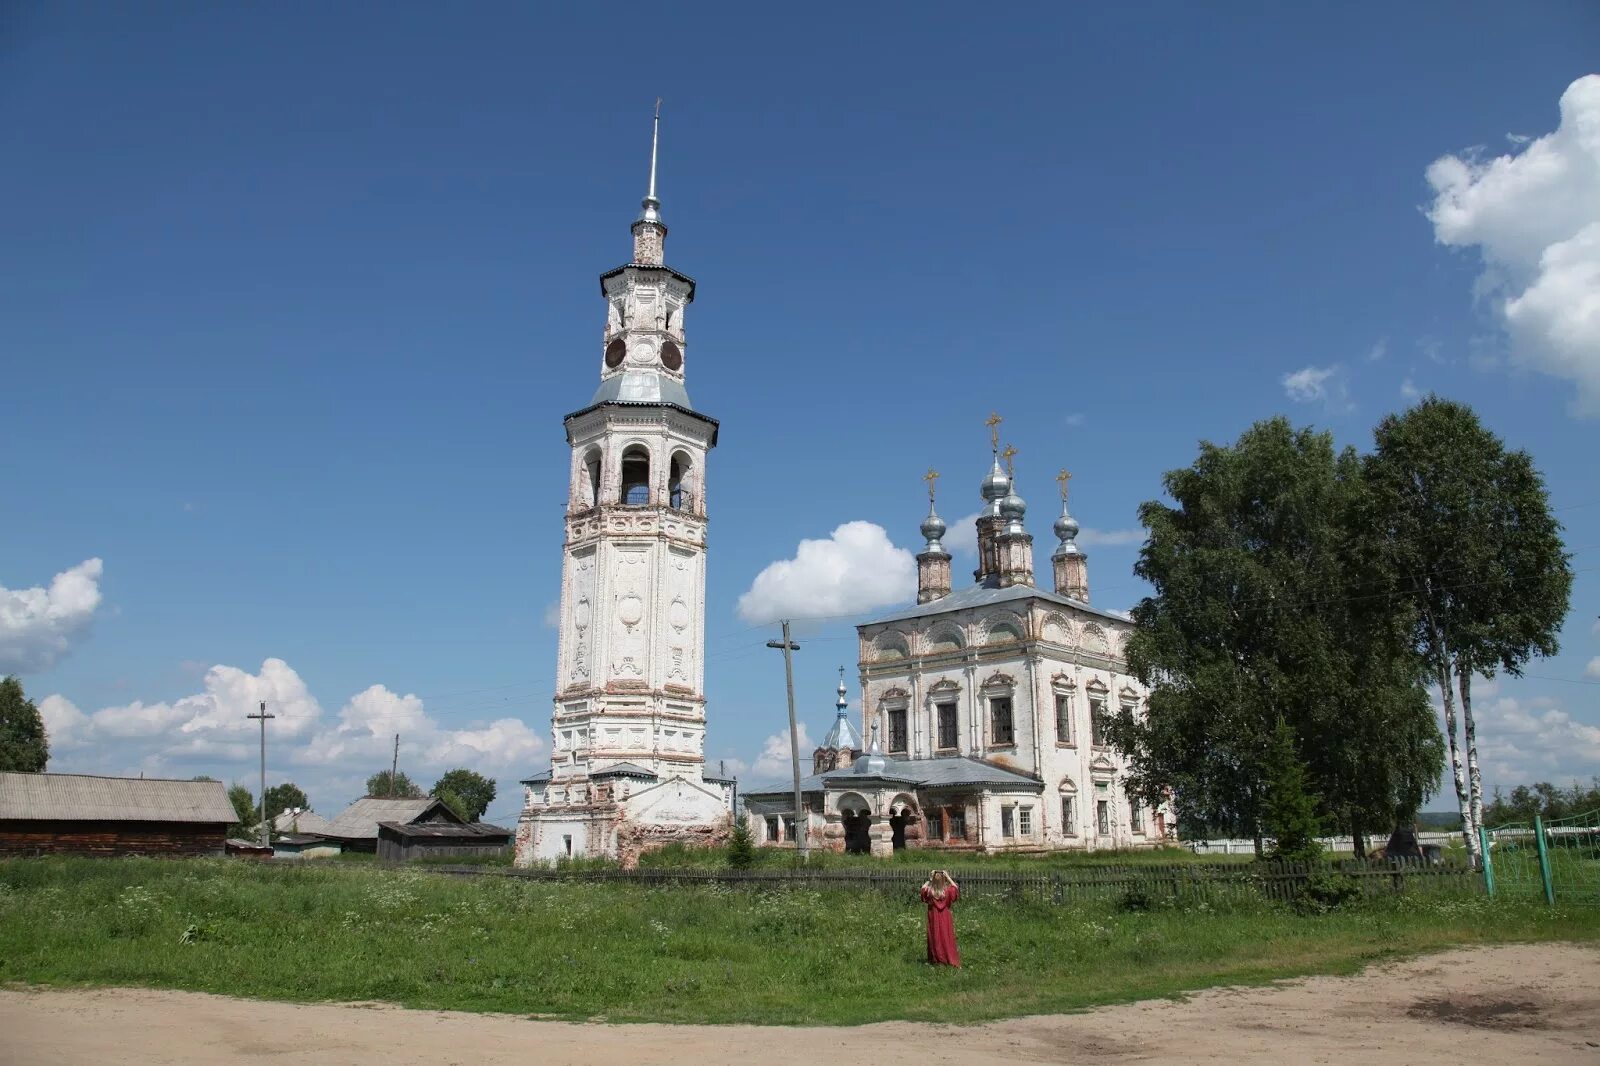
1138	897
1326	891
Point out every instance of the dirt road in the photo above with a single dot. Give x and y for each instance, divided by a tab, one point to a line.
1520	1003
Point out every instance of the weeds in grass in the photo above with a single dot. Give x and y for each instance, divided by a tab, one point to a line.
630	952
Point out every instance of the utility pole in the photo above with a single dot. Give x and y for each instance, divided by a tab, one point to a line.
394	767
266	830
789	647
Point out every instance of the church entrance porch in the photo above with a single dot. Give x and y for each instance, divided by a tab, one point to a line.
856	841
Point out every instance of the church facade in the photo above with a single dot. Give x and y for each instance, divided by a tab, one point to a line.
985	707
629	721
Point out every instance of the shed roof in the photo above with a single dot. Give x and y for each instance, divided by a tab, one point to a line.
304	822
85	797
360	819
445	830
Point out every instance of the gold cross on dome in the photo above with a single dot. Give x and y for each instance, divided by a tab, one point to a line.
932	478
1063	479
993	422
1009	456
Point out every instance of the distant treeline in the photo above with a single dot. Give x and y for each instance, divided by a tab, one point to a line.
1543	799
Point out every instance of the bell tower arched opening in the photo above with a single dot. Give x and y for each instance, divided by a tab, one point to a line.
635	476
679	493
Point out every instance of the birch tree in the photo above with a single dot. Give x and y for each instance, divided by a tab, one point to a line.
1473	547
1262	613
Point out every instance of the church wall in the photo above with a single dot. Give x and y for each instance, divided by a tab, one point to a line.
1060	651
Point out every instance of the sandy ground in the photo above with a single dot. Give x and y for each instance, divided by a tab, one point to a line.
1520	1003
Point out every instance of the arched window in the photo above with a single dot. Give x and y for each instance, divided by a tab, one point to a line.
678	493
635	476
591	467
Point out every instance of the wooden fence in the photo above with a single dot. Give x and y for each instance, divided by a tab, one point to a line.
1215	882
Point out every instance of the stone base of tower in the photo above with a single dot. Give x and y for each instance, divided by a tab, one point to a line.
674	811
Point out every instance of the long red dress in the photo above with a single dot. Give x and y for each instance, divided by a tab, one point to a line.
942	927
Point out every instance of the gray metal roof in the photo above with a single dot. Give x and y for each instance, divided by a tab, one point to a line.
84	797
919	773
446	830
642	386
984	596
539	778
304	822
624	769
361	818
719	779
843	734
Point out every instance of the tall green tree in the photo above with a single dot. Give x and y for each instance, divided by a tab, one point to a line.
379	786
281	797
1473	548
244	806
23	744
1261	572
474	791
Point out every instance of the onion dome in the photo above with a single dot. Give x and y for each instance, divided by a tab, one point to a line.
995	487
1013	508
933	530
843	735
872	762
1066	529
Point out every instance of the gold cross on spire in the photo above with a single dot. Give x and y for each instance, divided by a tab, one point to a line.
993	422
1063	480
932	478
1009	456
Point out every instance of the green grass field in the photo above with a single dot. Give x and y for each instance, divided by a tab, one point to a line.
626	952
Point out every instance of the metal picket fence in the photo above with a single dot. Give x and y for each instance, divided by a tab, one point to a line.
1554	860
1213	882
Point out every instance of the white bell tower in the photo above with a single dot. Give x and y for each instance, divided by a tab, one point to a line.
629	720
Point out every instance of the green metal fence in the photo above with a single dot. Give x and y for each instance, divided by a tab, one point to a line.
1554	860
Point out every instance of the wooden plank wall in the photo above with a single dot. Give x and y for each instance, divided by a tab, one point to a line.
108	838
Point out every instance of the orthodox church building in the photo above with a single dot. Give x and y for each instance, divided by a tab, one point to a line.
628	754
985	706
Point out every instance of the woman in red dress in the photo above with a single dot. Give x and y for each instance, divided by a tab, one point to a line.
939	892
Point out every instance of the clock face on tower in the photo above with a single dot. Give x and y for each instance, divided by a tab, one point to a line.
671	355
615	352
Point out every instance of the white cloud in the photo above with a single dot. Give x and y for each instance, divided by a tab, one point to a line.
1325	385
774	760
856	569
1522	741
1409	390
1090	538
1380	349
1074	420
208	732
552	615
1535	218
962	536
1593	669
38	625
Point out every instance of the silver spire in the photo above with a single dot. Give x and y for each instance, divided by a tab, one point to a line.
651	205
1066	527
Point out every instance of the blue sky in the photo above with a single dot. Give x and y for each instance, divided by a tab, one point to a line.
293	300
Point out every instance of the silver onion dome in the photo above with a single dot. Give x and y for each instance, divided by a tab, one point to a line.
1013	508
933	531
996	486
1066	530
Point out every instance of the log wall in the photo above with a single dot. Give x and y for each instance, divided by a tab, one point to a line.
109	838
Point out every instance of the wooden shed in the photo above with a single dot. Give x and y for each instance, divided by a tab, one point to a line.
82	814
440	839
356	827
